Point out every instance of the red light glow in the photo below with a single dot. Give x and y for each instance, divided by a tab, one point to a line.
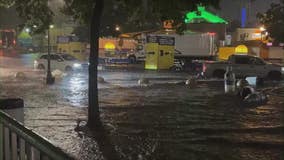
204	67
211	33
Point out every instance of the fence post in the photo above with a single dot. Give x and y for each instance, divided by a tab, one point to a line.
17	141
1	140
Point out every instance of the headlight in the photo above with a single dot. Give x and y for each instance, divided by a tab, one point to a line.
35	64
282	69
77	65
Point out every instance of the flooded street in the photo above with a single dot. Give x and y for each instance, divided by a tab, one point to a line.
172	121
162	120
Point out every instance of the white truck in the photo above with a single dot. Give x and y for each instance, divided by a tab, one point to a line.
195	46
243	66
188	45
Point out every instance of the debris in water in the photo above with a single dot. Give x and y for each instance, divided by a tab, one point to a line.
242	83
57	73
101	80
20	75
191	82
143	81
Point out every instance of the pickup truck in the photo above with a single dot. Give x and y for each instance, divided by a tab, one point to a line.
243	66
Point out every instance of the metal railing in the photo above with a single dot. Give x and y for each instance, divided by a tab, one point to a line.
19	143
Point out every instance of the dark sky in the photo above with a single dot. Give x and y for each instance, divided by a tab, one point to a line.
230	9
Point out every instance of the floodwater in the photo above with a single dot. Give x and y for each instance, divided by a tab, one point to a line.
168	120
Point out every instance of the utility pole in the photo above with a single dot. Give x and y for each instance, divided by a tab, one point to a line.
49	78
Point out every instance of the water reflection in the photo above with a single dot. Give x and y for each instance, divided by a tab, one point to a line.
166	120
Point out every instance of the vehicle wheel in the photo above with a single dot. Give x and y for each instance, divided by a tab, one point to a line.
219	74
41	67
132	59
68	68
274	75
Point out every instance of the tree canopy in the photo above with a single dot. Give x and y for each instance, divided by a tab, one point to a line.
136	15
131	15
273	21
36	14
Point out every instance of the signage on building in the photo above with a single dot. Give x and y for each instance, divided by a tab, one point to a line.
161	40
168	24
62	39
241	49
67	39
248	34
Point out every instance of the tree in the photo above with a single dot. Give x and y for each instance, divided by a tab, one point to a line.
82	32
7	18
33	13
90	12
273	21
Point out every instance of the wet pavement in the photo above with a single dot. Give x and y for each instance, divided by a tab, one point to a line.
162	120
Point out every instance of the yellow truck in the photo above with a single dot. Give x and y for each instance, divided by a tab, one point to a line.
71	45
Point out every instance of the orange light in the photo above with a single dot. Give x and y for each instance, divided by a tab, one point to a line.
262	29
109	46
168	24
241	49
211	33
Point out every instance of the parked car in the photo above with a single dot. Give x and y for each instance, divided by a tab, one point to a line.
243	66
63	62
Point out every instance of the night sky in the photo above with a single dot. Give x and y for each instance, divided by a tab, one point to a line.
230	9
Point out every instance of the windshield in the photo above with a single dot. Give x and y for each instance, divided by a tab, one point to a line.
68	57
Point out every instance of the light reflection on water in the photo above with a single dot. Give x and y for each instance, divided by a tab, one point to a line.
171	121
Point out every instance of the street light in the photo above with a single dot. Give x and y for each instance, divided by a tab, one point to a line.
27	30
51	26
49	78
262	30
117	28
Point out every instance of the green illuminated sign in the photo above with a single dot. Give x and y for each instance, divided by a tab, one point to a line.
201	13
